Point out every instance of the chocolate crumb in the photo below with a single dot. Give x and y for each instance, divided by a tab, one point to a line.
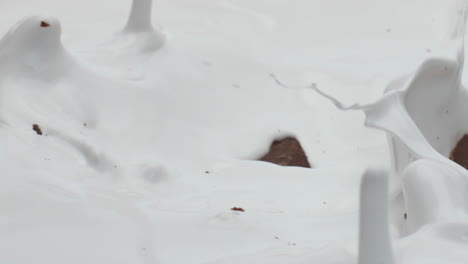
238	209
37	129
44	24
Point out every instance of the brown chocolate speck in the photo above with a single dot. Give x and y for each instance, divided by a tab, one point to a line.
37	128
44	24
238	209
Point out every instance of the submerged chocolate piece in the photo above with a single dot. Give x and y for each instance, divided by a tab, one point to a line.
287	152
460	152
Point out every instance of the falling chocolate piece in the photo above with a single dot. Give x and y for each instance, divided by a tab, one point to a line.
460	152
287	152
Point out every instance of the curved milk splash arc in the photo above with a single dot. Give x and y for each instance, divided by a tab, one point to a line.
434	188
428	118
434	98
423	119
